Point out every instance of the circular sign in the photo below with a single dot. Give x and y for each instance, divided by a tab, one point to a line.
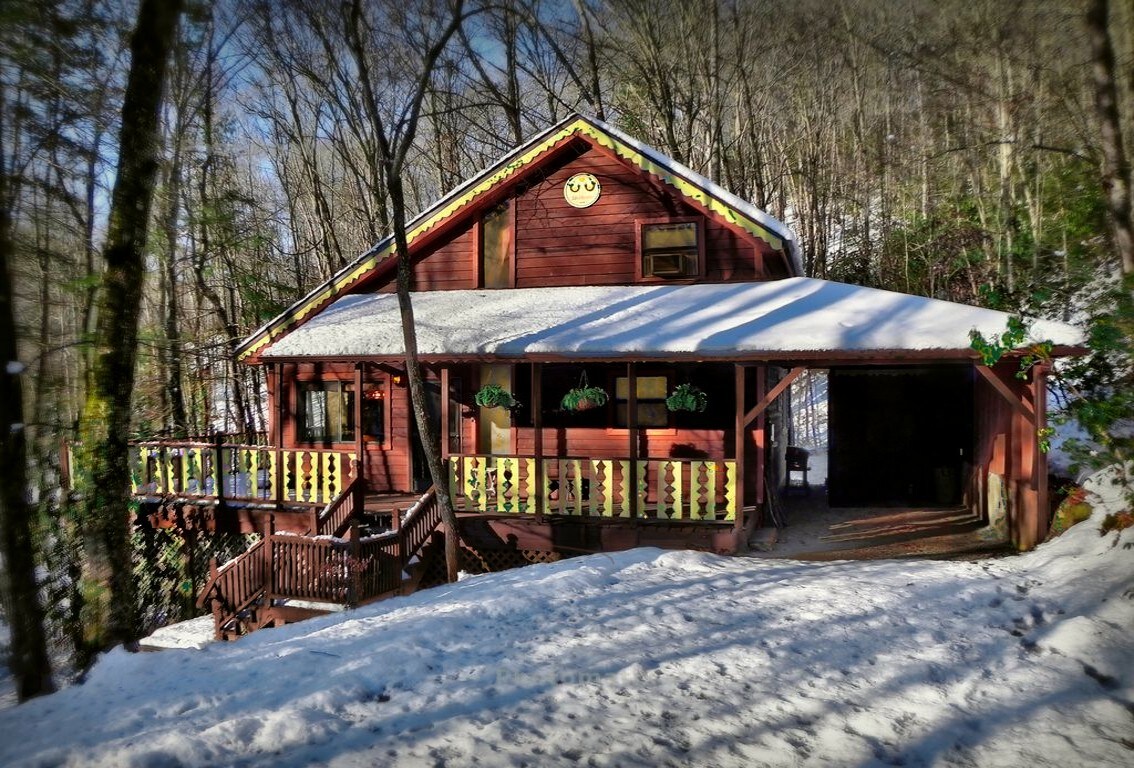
582	190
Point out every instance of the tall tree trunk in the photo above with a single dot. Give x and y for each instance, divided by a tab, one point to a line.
29	662
178	421
394	146
110	610
1116	163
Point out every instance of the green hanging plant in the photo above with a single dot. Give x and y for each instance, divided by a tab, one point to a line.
584	397
687	397
495	396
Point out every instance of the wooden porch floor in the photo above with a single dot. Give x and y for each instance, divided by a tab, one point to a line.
815	531
383	504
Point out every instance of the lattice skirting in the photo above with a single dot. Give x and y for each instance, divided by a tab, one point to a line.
171	567
479	560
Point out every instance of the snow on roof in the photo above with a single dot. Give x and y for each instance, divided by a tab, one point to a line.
718	321
502	170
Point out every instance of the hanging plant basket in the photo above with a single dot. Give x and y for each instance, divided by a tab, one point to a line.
584	397
495	396
687	397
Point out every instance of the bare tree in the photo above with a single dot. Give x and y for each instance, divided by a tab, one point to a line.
111	611
19	588
395	138
1116	160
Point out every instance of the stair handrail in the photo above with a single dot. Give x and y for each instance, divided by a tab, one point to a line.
335	518
239	583
236	585
420	521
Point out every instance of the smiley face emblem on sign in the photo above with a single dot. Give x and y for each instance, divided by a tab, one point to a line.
582	190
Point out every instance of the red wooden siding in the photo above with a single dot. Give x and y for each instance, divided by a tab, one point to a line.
386	466
1006	446
652	443
558	245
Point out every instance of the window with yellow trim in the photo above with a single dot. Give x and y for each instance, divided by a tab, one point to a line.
671	249
652	391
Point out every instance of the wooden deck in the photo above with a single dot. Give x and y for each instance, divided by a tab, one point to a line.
815	531
334	563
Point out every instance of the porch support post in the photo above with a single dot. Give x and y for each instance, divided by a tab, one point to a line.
740	428
445	396
537	438
358	411
632	430
268	575
1039	477
769	398
1025	466
278	437
761	392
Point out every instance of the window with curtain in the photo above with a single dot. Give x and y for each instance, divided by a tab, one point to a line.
326	412
496	247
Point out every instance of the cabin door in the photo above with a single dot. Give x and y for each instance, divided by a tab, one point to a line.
899	437
420	468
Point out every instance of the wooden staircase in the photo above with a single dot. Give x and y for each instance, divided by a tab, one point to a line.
321	567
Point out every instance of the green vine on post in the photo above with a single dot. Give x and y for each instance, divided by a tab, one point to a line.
992	351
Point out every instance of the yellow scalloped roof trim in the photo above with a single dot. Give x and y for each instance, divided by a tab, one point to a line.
285	321
686	188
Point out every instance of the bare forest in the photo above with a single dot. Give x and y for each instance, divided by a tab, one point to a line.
174	174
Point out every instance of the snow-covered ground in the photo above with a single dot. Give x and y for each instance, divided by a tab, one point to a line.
7	683
649	658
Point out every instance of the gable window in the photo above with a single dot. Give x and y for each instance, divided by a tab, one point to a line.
671	248
496	247
652	391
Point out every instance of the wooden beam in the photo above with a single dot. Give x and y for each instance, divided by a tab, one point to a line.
358	394
282	399
741	428
445	397
632	429
814	359
1039	468
537	436
1022	406
770	397
761	387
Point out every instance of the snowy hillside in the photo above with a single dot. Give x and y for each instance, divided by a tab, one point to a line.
649	658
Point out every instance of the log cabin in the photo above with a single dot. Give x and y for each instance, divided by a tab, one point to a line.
586	259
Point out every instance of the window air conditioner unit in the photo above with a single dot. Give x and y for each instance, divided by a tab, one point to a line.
665	264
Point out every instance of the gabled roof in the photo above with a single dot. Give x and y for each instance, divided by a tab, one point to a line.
689	183
794	318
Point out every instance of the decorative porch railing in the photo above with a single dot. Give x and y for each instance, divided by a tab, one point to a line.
666	489
322	568
245	472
